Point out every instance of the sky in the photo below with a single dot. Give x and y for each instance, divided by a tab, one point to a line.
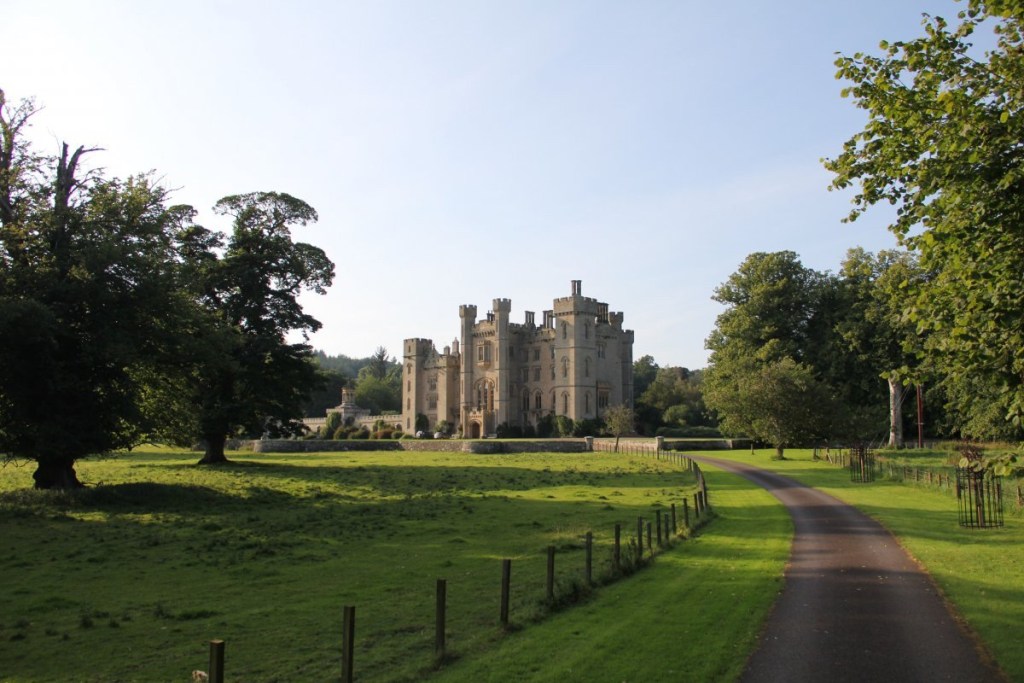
463	151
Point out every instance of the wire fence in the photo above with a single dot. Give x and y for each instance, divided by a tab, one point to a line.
630	550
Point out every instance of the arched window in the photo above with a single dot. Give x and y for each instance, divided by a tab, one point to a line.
537	401
565	404
586	408
565	366
565	330
526	400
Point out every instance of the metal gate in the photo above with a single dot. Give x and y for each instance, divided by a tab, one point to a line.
979	496
862	465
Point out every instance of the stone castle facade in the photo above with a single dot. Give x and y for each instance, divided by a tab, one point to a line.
577	362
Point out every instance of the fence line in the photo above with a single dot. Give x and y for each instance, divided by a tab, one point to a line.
939	478
622	566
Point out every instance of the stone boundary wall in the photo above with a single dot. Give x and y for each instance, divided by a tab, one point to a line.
421	445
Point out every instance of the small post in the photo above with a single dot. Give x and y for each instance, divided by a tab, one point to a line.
439	622
216	672
675	528
640	538
650	546
506	581
686	513
658	515
590	558
617	551
551	574
696	505
348	640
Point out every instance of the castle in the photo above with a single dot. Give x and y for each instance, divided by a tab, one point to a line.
576	363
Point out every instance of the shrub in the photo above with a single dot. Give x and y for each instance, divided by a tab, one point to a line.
507	431
362	433
340	433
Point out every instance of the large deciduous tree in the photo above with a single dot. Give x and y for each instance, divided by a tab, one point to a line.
780	402
944	143
86	293
875	328
245	376
770	351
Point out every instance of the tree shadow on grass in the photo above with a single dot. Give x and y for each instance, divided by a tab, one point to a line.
127	497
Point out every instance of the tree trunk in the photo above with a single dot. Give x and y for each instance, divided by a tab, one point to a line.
214	450
56	474
780	453
895	414
616	443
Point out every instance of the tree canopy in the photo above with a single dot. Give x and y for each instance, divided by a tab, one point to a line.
944	144
121	319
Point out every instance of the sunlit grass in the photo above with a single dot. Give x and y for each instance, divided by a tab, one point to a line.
129	579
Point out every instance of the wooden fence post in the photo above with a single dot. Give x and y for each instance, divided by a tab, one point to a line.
589	569
439	622
696	505
506	581
658	515
675	528
640	538
650	546
348	640
686	513
551	574
216	669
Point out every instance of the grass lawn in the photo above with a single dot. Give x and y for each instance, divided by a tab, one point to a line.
129	579
980	571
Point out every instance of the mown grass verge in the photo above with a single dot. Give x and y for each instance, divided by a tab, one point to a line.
980	571
129	579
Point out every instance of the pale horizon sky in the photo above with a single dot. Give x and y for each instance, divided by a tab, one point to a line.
458	151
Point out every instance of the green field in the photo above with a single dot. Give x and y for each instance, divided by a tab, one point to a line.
129	579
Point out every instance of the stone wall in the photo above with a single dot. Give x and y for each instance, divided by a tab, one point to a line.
421	445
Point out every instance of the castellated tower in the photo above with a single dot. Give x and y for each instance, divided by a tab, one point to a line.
577	363
430	384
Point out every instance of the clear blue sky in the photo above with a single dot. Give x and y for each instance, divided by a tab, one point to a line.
459	152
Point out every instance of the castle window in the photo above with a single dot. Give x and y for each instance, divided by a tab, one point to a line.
408	385
552	352
602	398
552	401
526	401
536	354
552	371
565	367
408	368
432	402
511	353
600	350
432	384
565	404
536	373
565	330
537	401
408	404
526	374
586	409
